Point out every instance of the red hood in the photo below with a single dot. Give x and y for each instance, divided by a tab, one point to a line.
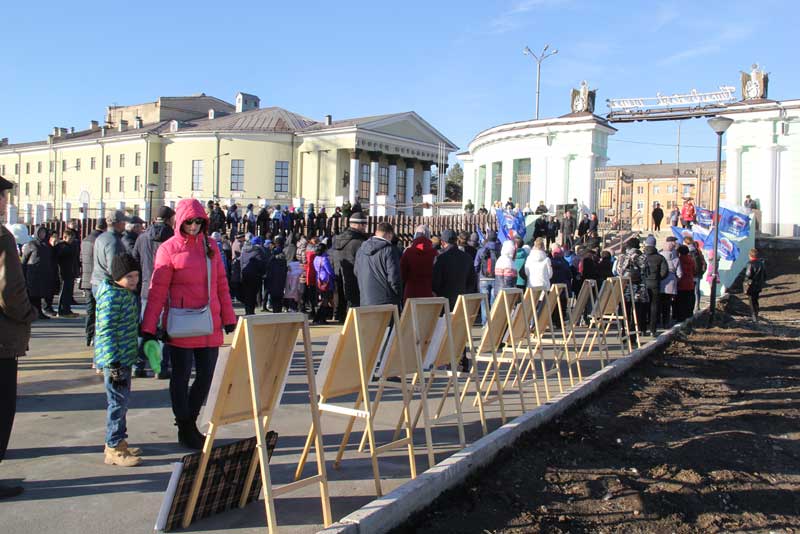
189	208
422	246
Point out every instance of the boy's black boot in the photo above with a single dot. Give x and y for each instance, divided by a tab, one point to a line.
188	434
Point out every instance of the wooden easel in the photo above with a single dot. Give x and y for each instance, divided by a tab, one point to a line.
347	368
626	284
417	329
586	298
248	384
501	320
543	305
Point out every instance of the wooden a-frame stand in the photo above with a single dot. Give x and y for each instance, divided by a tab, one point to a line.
603	316
248	384
586	298
347	368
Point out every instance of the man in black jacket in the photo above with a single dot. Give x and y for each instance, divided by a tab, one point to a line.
658	216
377	269
345	246
453	272
656	269
133	229
87	264
567	229
67	253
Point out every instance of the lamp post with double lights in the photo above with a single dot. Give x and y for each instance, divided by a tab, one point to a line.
538	59
719	125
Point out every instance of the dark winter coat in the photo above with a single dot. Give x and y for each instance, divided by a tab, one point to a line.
68	257
345	247
583	227
656	268
277	269
658	215
87	258
453	275
216	221
16	312
38	265
755	277
552	228
262	222
129	240
483	253
540	227
253	263
562	272
377	269
144	250
416	269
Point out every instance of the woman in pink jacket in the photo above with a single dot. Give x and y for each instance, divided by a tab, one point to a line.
180	280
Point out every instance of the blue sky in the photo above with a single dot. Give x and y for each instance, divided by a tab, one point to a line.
459	64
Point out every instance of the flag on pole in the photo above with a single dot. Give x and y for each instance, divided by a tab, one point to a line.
705	217
509	224
735	223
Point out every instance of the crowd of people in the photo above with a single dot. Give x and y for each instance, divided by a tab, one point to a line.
139	283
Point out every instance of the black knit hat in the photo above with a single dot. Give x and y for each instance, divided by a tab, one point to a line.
123	264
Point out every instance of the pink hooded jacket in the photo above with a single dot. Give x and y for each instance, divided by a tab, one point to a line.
180	274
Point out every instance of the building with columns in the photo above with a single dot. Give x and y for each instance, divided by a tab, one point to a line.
156	153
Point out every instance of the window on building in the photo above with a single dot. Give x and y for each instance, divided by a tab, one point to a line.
640	190
27	168
38	188
38	167
52	165
281	176
155	167
237	175
108	184
197	174
497	180
167	181
121	161
78	164
640	204
51	187
92	163
27	189
687	190
63	165
16	169
401	186
63	187
383	180
522	181
363	183
121	184
108	162
656	189
138	158
136	183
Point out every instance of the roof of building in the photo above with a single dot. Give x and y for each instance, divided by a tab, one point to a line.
666	170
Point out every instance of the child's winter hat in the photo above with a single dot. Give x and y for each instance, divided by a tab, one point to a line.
123	264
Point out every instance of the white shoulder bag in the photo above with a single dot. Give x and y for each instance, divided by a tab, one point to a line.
192	322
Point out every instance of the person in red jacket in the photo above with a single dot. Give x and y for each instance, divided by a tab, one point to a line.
416	265
687	214
685	299
180	278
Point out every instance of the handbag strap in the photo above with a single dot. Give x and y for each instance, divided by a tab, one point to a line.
208	269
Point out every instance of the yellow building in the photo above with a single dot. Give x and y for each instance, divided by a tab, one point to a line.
234	153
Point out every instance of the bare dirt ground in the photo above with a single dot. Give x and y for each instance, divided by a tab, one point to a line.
704	437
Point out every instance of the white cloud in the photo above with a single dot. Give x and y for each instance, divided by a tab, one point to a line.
711	46
509	19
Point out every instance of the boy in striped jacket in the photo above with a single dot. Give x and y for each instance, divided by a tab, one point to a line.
115	351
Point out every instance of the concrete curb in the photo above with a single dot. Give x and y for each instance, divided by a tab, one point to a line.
389	511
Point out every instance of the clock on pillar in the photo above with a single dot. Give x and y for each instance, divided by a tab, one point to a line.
582	99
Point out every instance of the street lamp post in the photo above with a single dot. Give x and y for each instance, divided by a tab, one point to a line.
151	188
539	58
719	125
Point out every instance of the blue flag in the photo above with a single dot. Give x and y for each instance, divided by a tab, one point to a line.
735	223
704	216
704	240
509	225
481	237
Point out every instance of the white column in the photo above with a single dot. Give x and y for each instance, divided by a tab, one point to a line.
391	207
426	179
38	216
507	184
48	211
374	169
12	214
768	191
409	187
66	211
583	184
29	213
101	210
563	196
354	168
733	175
